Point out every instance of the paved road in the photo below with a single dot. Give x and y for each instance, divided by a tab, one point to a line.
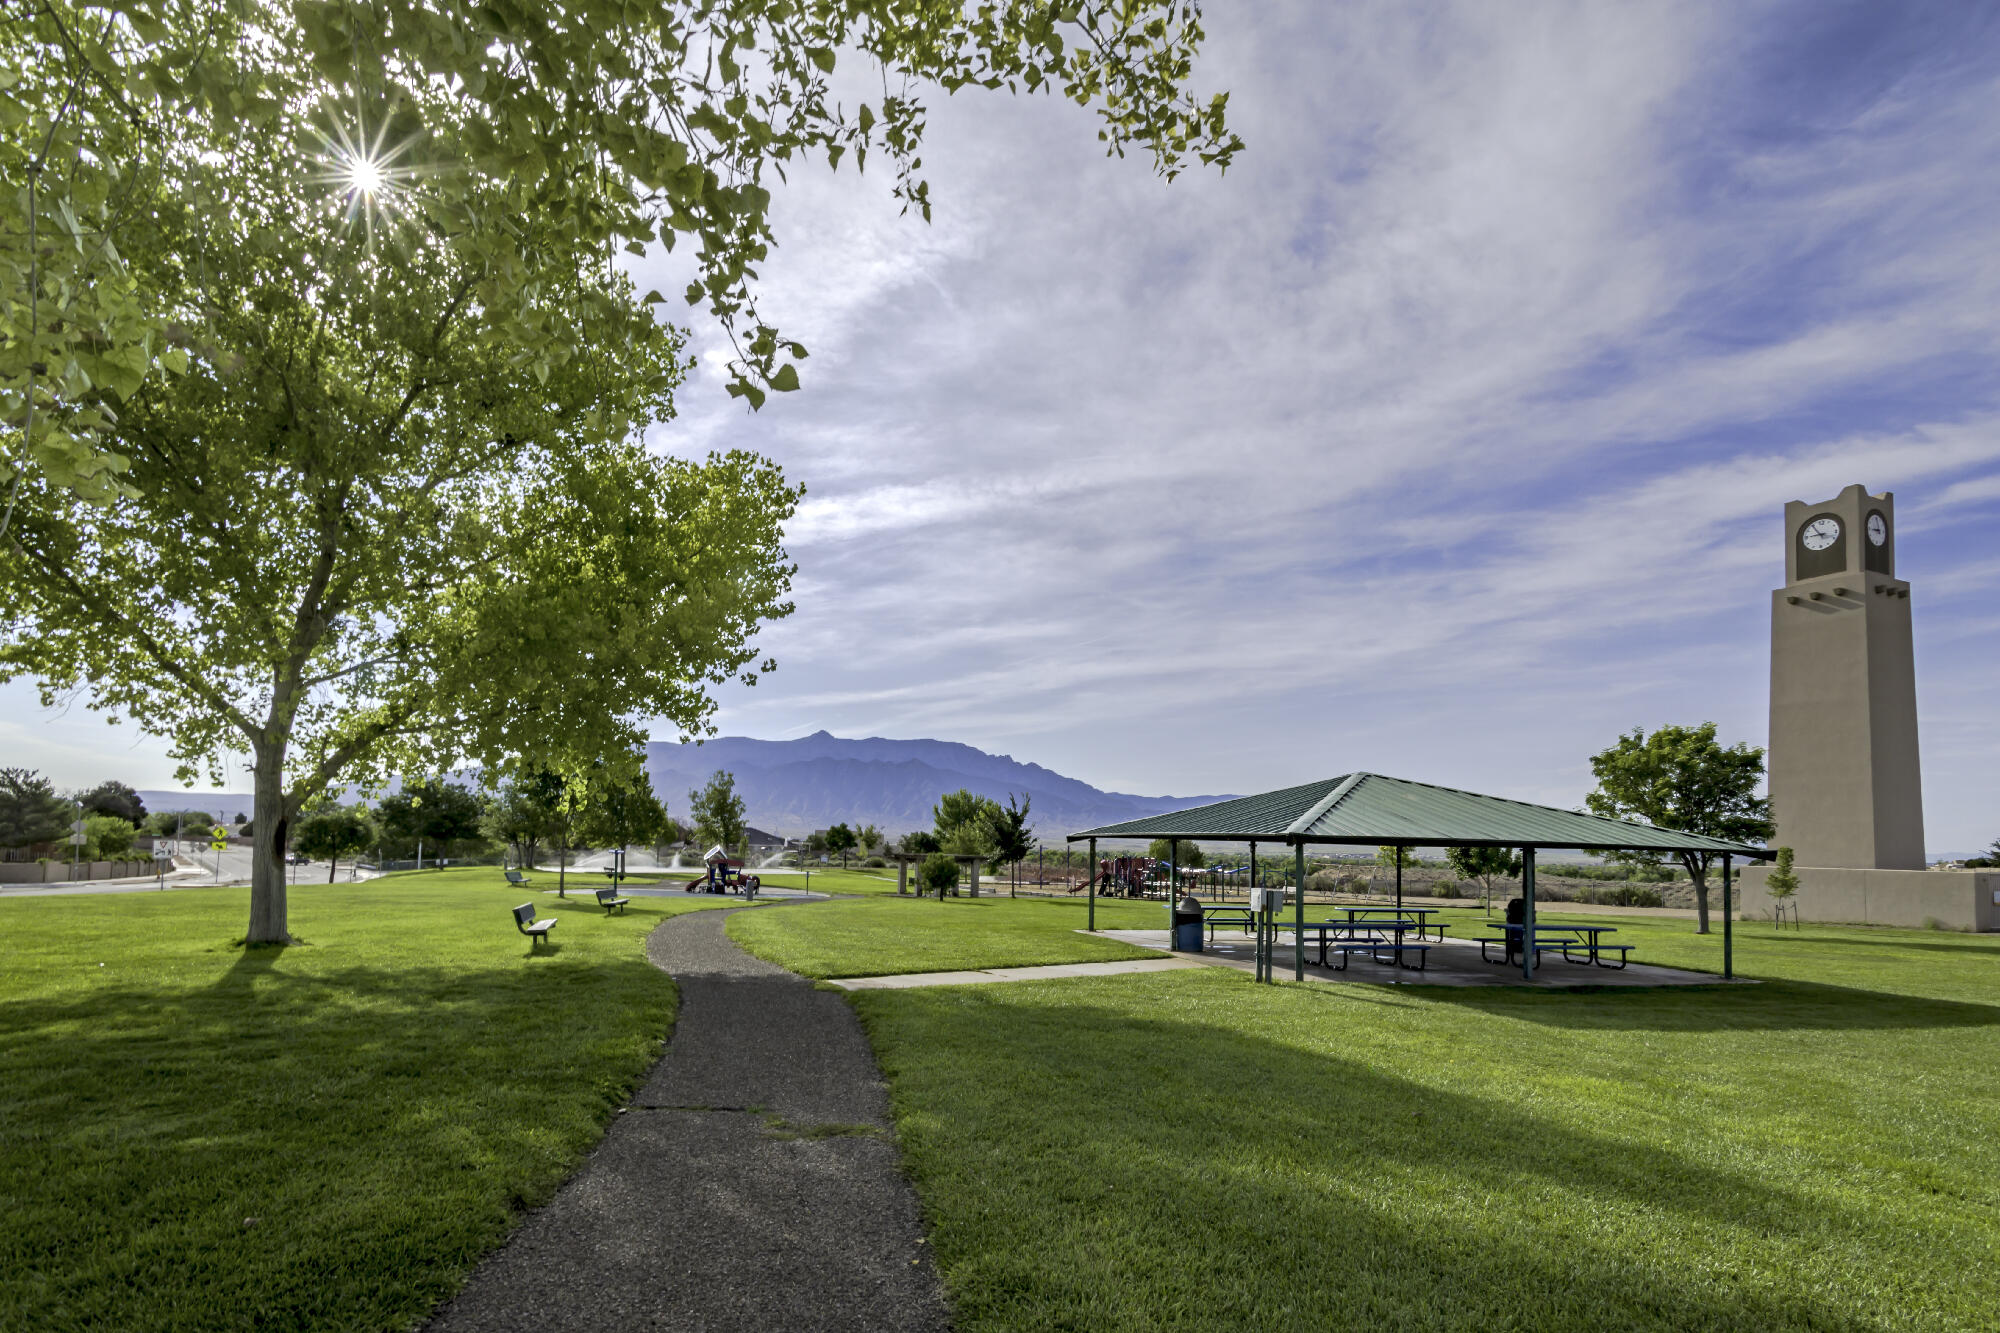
751	1184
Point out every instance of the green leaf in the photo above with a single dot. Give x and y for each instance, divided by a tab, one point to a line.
787	378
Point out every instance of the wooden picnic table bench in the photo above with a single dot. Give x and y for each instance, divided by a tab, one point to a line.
535	930
608	899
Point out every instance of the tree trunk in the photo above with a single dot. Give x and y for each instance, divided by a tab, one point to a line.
332	868
267	849
1701	904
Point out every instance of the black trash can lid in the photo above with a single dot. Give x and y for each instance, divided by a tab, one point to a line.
1189	903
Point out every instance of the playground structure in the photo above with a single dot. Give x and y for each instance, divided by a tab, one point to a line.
725	874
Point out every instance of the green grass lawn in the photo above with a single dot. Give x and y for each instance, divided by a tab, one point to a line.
1194	1151
325	1136
878	935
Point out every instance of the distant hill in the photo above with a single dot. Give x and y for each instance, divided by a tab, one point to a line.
226	804
794	787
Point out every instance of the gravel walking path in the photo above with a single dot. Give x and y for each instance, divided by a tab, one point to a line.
752	1183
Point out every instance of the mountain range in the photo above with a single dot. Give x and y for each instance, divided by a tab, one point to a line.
793	787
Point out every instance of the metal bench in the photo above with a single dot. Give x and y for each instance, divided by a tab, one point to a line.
1233	916
1599	951
516	878
608	899
1374	950
525	922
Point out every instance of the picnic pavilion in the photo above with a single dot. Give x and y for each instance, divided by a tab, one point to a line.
1369	810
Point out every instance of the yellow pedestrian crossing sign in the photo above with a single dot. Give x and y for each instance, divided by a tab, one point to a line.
218	838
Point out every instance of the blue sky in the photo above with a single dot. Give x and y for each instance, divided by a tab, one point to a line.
1447	436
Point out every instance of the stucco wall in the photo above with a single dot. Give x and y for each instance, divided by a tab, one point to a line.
1958	899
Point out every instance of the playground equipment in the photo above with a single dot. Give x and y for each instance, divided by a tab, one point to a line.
725	875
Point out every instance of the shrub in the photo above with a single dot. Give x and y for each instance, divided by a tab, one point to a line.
939	874
110	837
1445	888
1325	881
875	863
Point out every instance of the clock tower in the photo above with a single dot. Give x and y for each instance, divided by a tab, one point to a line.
1845	786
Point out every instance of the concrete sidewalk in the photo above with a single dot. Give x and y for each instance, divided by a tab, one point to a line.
908	980
753	1183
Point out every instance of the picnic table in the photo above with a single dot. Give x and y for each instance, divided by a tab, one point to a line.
1369	937
1421	915
1562	938
1229	916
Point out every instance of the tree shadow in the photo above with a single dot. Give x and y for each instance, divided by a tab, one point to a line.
1203	1168
1769	1006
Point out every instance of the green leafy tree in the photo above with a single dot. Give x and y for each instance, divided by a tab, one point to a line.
1007	829
1682	778
165	128
1783	881
624	811
939	873
164	823
1484	864
1192	856
108	838
436	813
115	799
921	843
840	840
524	811
869	838
334	831
1391	857
30	810
964	823
717	811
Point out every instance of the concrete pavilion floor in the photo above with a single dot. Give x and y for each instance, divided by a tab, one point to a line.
1453	962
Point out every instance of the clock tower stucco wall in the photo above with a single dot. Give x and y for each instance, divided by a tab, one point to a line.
1846	790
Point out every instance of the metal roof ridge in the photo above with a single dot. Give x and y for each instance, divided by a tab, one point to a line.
1326	803
1612	820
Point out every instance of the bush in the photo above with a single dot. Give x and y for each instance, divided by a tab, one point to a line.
875	863
1445	888
1619	895
939	874
110	837
1325	881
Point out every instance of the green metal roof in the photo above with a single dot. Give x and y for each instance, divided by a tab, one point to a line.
1368	809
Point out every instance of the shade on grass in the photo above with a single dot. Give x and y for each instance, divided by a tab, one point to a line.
1193	1151
195	1136
880	936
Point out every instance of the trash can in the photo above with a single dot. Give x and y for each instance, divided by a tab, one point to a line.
1187	925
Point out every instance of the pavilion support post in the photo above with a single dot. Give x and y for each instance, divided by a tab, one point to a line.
1399	881
1173	880
1299	916
1253	864
1728	959
1090	871
902	876
1528	913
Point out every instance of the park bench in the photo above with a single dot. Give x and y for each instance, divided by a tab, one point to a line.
525	922
516	878
608	899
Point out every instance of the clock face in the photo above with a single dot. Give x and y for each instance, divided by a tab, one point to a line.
1821	533
1878	531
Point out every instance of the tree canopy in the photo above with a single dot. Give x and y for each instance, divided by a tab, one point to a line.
632	124
1682	778
717	811
30	810
434	812
840	840
334	831
325	393
1191	855
623	811
115	799
1484	864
